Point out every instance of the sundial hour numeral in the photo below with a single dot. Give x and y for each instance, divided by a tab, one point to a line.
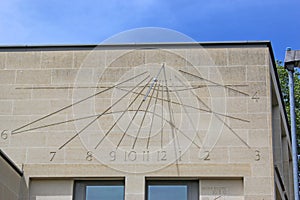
112	155
52	155
255	96
206	157
4	134
257	155
161	155
89	156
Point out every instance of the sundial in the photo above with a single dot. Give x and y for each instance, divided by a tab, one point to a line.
144	113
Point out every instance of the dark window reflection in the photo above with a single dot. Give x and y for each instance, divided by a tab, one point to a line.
167	192
105	192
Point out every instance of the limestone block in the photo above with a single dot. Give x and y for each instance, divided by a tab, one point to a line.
246	155
127	59
58	104
257	73
63	76
57	59
36	77
90	58
258	185
258	197
261	170
230	188
79	155
23	60
175	58
135	184
31	107
134	196
258	104
86	77
204	57
12	122
228	75
256	121
51	189
259	138
12	92
58	138
2	59
6	107
247	56
58	93
7	76
44	155
218	56
229	139
236	105
25	139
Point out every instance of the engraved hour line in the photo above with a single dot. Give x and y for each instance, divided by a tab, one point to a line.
177	129
80	101
58	123
106	134
172	123
154	81
156	98
68	141
218	117
238	91
187	113
162	114
104	87
142	122
153	115
200	109
130	122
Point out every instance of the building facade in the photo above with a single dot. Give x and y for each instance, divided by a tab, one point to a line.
143	121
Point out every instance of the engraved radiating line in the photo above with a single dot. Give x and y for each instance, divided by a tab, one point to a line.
172	122
201	109
218	117
107	133
169	122
73	104
128	86
154	81
187	113
142	122
238	91
130	122
153	115
157	98
84	128
162	115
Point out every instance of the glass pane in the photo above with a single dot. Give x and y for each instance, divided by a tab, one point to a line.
105	192
167	192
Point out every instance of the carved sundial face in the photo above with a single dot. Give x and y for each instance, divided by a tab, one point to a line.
144	108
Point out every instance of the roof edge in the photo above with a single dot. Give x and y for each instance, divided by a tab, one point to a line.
11	163
214	43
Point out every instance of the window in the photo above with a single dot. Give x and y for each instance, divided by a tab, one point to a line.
175	190
98	190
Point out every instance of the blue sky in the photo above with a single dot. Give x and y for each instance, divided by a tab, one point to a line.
67	22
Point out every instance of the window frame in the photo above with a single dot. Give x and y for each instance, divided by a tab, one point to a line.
79	188
192	187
